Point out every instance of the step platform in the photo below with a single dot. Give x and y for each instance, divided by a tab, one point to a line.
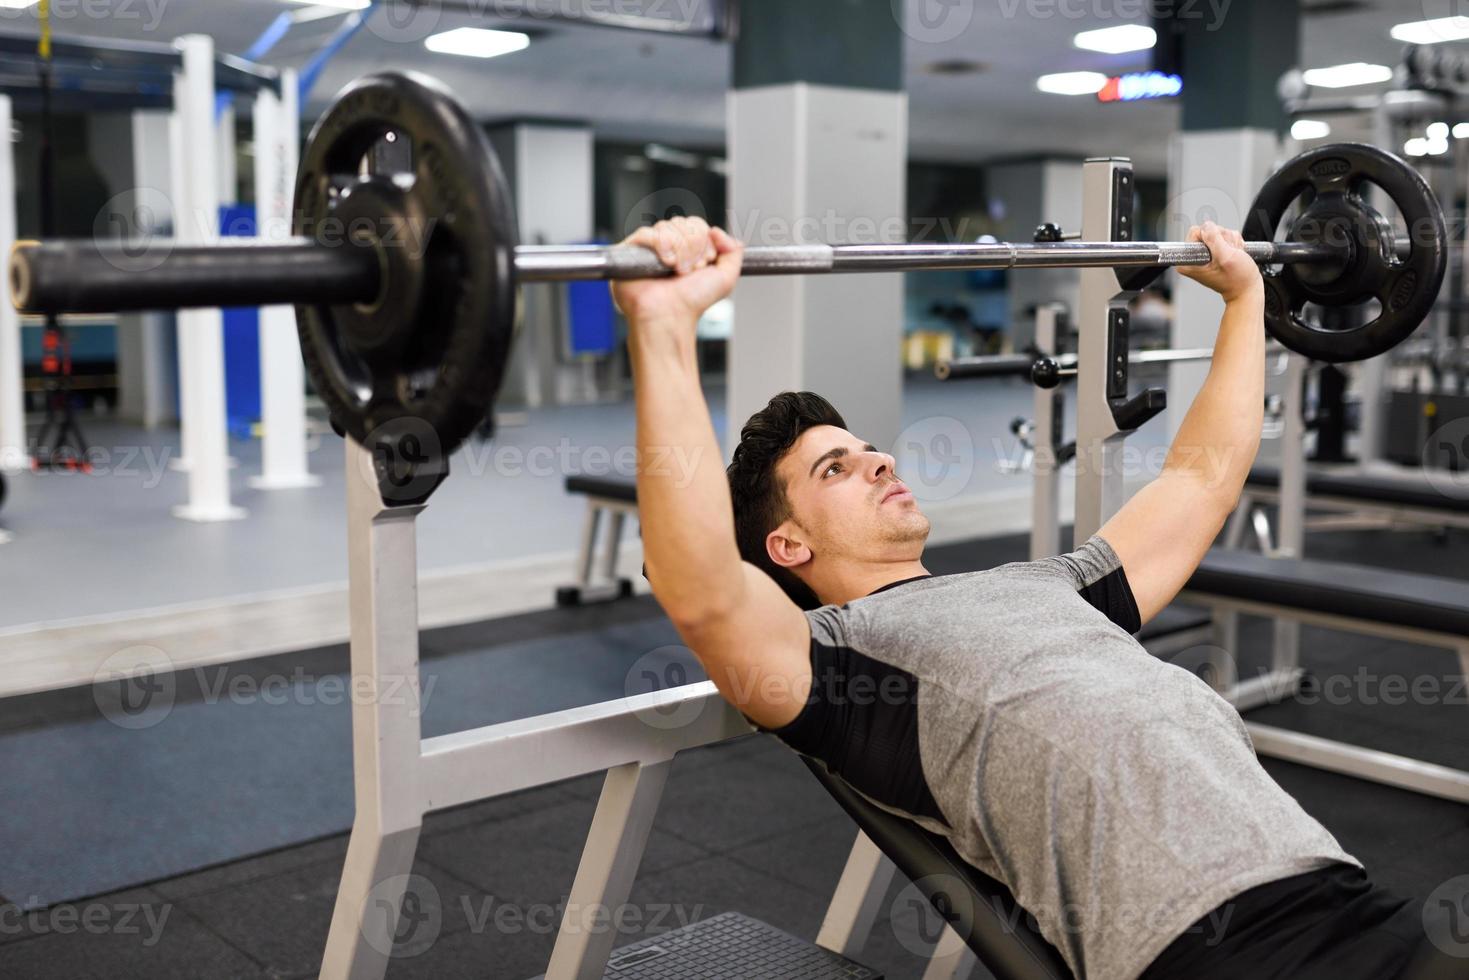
730	946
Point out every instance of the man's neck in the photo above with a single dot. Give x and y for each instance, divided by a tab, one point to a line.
859	582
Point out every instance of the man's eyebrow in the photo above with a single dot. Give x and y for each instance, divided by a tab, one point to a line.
838	453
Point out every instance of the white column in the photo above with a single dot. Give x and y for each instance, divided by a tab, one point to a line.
809	164
144	344
201	332
177	150
1029	194
1212	174
283	462
12	382
550	169
1372	373
228	168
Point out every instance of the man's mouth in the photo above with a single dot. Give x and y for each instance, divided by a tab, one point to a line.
897	492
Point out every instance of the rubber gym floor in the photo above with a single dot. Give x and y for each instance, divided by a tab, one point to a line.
742	826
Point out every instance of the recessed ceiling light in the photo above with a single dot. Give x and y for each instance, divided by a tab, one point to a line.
1438	131
1309	129
1460	130
1117	40
1345	76
477	42
1072	83
1416	147
1432	31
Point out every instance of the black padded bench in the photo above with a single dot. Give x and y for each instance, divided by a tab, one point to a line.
1419	609
989	920
1380	497
1329	588
607	488
1406	491
598	581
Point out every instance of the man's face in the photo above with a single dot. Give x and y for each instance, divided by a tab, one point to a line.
846	502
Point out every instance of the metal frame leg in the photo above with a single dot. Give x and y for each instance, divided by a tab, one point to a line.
369	900
386	734
857	899
952	958
589	543
1322	753
1264	536
609	864
597	579
1276	684
1226	638
614	541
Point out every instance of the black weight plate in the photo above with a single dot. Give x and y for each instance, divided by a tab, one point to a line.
415	372
1406	288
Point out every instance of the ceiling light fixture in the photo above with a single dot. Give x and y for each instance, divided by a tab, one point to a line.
1432	31
477	42
336	4
1117	40
1072	83
1310	129
1345	76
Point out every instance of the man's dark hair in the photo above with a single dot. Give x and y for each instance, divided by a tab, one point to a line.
760	502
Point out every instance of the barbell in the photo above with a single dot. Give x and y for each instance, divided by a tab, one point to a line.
405	282
1045	371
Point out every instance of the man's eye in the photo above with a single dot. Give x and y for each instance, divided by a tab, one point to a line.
833	466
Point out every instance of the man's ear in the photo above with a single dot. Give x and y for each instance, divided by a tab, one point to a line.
786	546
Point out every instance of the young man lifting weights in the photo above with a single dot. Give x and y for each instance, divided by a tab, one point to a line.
1117	796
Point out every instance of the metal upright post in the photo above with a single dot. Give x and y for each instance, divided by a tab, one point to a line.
13	453
386	733
1291	534
1099	484
1045	504
1372	373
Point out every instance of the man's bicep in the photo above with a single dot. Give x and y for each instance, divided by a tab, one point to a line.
1161	535
759	652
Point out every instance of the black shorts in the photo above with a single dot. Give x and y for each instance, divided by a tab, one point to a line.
1332	924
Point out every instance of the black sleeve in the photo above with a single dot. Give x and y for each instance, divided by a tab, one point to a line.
861	720
1113	596
1096	572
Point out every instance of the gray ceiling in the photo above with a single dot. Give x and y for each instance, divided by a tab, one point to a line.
639	86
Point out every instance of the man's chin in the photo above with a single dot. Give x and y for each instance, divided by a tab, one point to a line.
910	524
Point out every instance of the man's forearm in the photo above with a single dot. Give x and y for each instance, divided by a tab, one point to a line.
689	544
1220	436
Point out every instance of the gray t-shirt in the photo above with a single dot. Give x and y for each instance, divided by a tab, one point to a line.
1116	795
